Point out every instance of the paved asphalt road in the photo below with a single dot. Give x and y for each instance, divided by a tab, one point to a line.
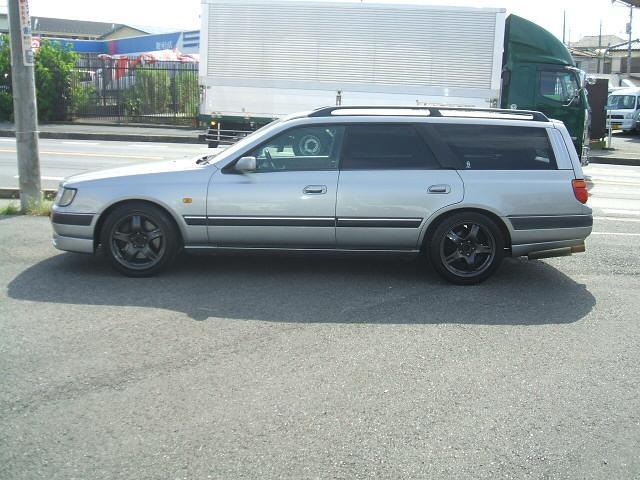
324	367
61	158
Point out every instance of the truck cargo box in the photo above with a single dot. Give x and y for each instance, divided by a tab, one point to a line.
266	59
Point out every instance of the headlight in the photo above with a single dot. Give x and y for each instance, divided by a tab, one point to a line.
628	115
65	196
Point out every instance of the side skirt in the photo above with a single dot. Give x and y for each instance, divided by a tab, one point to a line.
210	248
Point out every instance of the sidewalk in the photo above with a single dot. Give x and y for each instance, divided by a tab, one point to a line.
83	131
625	151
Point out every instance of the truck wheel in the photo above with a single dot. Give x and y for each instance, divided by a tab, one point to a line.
466	248
213	144
311	145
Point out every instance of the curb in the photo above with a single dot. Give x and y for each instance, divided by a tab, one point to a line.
633	162
14	193
116	137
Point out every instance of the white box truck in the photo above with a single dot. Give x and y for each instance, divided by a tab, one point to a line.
263	59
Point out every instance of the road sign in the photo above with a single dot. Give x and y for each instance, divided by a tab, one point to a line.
25	32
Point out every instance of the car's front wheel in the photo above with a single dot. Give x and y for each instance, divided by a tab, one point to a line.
466	248
139	239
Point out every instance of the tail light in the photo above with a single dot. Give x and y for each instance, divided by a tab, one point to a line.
580	190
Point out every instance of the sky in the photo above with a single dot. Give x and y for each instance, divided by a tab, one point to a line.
583	16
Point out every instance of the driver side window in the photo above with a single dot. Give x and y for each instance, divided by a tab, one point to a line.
302	148
558	86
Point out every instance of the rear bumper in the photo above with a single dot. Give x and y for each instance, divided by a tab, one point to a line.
558	248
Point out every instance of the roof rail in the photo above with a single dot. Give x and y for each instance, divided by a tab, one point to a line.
437	111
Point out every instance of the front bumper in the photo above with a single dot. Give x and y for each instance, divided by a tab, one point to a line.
73	232
73	244
622	124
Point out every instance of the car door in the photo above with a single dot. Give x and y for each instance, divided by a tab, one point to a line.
390	184
288	201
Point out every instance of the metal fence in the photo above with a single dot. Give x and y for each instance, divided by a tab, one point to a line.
134	91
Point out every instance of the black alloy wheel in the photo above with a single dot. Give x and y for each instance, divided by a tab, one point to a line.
466	248
139	239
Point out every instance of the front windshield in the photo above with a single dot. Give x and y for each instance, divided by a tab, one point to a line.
621	102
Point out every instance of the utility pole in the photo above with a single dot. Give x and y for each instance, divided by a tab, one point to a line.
599	46
629	46
564	25
24	103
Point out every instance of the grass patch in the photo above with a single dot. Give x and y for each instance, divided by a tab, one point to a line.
12	208
39	208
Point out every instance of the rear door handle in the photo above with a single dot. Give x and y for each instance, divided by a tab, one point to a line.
314	189
439	189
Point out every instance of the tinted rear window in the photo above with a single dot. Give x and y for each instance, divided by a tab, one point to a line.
385	147
496	147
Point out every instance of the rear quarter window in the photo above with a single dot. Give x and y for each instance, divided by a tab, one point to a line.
497	147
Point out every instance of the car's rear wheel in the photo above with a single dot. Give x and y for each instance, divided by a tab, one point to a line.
466	248
139	239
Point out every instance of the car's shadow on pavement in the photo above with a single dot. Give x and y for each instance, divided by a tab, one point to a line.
316	288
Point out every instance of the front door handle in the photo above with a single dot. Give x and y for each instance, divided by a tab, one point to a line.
314	189
439	189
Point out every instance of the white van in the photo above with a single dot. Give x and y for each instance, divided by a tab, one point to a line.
623	107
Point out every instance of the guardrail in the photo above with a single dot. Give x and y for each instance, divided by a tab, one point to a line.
215	137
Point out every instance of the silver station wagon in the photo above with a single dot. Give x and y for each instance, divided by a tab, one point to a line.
465	187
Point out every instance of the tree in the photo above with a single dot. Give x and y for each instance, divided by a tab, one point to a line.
6	99
54	67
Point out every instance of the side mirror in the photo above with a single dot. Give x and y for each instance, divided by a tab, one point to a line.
245	164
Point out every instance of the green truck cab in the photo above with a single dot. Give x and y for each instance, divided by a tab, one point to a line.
539	74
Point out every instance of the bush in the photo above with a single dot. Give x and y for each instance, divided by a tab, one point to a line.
187	94
54	68
152	91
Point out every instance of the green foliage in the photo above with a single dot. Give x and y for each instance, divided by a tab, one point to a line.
54	64
152	91
6	100
54	69
187	95
40	208
132	102
12	208
84	97
155	92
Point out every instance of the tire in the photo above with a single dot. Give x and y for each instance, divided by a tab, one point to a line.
466	248
212	144
139	239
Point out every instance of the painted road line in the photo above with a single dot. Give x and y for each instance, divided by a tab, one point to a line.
618	219
57	179
81	143
618	234
147	146
7	139
599	182
78	154
621	212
